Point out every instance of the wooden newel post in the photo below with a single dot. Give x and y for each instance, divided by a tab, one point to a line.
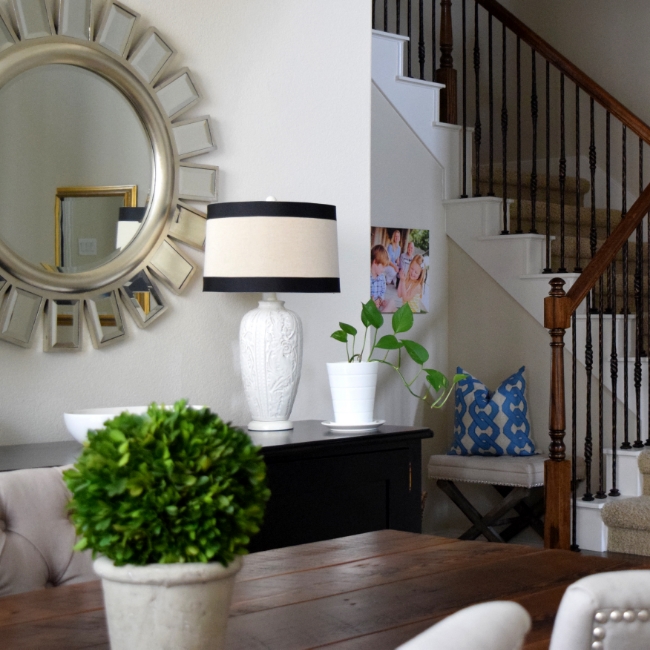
446	74
557	470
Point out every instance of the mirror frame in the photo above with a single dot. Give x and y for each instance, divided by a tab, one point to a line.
165	210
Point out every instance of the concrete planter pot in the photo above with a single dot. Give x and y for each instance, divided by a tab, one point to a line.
353	388
167	606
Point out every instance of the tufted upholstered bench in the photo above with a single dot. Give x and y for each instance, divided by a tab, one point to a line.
36	536
518	479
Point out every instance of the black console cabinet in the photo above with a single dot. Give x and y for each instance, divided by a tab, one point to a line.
325	485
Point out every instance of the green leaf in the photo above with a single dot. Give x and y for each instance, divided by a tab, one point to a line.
388	342
403	319
348	329
340	335
416	351
458	378
436	379
372	315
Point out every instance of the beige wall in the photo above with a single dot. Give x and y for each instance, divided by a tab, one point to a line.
288	86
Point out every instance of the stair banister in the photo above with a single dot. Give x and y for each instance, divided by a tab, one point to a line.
558	308
565	66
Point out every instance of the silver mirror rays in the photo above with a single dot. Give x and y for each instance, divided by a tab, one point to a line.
175	94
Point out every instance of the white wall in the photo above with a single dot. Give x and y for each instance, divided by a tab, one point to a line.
607	40
288	86
407	191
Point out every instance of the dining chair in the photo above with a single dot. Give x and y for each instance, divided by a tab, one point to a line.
605	611
36	535
496	625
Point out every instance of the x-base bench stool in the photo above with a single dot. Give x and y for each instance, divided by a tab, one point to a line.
518	479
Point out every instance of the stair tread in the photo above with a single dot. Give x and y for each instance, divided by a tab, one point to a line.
511	179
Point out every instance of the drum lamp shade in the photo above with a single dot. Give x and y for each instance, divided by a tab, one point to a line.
269	246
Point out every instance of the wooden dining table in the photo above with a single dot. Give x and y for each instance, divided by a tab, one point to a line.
365	592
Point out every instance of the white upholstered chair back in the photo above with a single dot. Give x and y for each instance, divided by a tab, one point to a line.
606	611
497	625
36	536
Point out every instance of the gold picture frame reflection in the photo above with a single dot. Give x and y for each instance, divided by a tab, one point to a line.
128	192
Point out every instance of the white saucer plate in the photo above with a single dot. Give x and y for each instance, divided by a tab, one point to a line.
365	427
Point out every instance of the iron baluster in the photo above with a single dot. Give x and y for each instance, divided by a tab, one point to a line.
519	229
548	268
504	134
601	494
491	108
398	15
562	172
409	34
477	108
574	435
385	15
626	333
421	50
578	266
638	292
534	110
464	194
589	364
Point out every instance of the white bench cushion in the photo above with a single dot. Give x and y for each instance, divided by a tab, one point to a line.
517	471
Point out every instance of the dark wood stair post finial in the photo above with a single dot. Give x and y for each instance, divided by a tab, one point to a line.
446	74
557	470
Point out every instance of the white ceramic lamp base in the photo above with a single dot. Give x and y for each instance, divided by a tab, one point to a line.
270	340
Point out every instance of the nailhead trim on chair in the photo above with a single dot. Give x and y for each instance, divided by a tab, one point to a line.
614	615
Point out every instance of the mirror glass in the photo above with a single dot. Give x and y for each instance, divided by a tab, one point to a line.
76	168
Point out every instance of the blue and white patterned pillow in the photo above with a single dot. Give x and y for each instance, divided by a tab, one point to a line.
492	424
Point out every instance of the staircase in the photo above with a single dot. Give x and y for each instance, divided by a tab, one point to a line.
517	261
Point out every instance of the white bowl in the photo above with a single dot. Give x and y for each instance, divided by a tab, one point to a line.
79	423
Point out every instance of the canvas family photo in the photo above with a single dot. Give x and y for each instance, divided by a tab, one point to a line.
399	265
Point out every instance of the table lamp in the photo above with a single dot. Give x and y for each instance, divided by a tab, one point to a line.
269	246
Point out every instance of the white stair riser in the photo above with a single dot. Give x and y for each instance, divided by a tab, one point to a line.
418	103
629	479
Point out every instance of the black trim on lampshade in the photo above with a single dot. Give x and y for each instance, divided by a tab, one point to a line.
272	209
132	214
289	285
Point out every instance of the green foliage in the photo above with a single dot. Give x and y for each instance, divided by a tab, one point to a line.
420	239
402	322
174	485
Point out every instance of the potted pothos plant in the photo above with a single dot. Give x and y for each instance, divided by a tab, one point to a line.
353	382
168	500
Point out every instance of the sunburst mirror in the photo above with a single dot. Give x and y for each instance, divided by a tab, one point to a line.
96	189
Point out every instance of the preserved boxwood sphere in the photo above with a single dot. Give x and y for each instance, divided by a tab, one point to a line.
174	485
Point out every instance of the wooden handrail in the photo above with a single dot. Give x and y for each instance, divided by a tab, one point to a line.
607	252
572	72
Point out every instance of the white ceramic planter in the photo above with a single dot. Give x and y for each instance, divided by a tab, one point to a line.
353	388
167	606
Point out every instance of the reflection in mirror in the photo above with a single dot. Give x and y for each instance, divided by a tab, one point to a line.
62	325
104	319
70	128
18	316
142	299
87	229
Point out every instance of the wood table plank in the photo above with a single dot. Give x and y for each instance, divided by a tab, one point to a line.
313	623
366	592
335	551
44	604
289	588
